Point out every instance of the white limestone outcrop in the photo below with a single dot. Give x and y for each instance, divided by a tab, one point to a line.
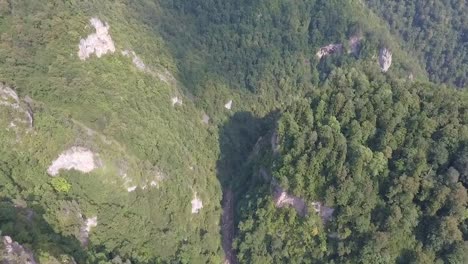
385	59
228	105
329	49
98	43
197	204
77	158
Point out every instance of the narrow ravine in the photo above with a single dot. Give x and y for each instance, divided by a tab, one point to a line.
227	227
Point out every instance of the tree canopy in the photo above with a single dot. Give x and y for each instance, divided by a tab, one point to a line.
183	109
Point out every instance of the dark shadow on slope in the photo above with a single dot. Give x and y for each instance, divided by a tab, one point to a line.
27	227
237	139
184	33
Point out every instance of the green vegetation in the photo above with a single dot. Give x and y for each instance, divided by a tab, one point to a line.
436	31
123	115
268	47
390	157
388	153
60	184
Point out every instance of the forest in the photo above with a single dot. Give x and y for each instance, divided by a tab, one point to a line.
437	31
389	157
185	106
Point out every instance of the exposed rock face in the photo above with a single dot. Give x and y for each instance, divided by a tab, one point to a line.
385	59
176	101
14	253
86	228
8	97
228	105
135	59
91	222
329	49
354	44
282	199
99	43
77	158
205	119
20	113
197	204
131	188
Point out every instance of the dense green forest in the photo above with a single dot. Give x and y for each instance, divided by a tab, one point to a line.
265	46
178	103
390	157
437	31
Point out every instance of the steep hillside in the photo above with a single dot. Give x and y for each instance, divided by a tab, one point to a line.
126	127
364	172
107	140
264	46
436	30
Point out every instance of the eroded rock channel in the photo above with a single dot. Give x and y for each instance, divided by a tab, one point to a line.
227	227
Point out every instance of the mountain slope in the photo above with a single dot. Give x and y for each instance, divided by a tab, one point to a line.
436	30
123	123
387	159
155	157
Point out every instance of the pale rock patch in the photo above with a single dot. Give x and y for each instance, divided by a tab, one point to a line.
13	252
77	158
205	119
329	49
166	76
137	61
354	44
197	204
176	101
85	229
10	99
90	223
228	105
99	43
282	198
385	59
8	96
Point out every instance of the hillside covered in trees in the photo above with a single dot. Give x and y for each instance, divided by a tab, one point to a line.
211	131
389	157
437	31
